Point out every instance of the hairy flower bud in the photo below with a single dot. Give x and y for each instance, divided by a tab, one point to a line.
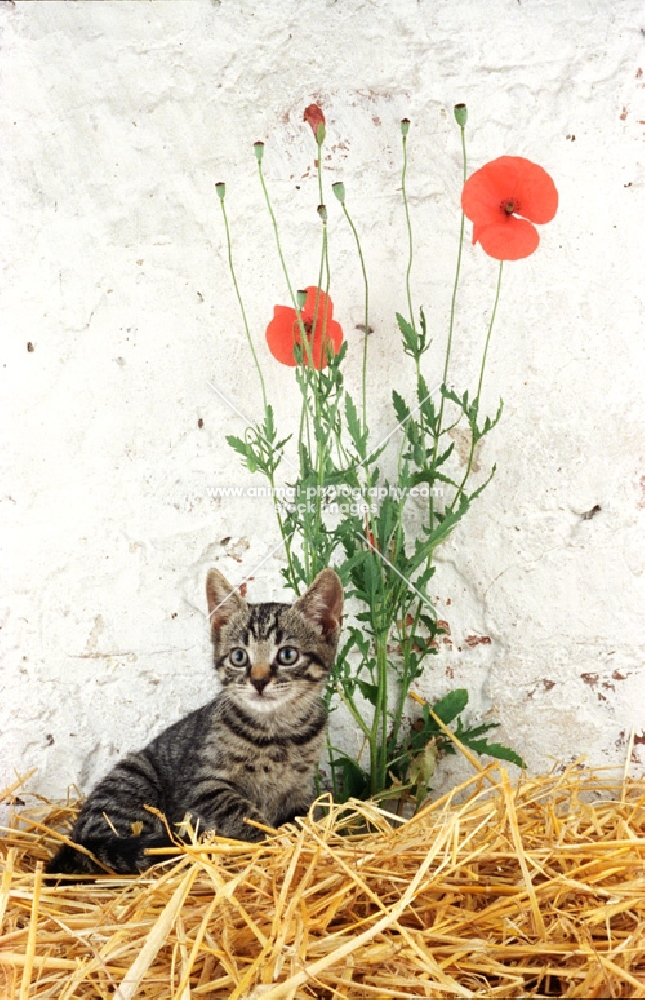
461	114
315	118
339	190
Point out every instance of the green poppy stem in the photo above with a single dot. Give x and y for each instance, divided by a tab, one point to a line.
286	537
404	170
241	303
274	223
367	329
453	303
479	385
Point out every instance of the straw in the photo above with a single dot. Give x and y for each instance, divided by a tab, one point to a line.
527	889
157	937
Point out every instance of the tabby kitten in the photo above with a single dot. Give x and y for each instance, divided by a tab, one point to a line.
250	752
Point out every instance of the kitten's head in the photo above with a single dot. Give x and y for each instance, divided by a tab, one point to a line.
269	654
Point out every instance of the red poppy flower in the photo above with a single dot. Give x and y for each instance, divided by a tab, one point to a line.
314	115
503	199
283	332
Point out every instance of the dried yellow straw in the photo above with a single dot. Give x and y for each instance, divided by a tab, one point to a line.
31	934
532	889
156	938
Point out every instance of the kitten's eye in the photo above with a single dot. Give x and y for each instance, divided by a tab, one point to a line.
288	655
238	657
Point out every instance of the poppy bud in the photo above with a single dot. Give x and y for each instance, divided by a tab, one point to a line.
320	133
461	114
301	297
322	212
405	127
259	150
220	187
339	190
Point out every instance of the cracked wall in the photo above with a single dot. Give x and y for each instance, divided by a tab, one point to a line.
118	119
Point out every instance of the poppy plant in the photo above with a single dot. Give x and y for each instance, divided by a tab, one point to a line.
503	199
283	332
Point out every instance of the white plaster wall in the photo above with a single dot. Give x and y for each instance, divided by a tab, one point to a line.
117	119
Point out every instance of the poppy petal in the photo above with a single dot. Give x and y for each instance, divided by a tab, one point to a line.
316	303
333	336
511	239
510	178
482	195
314	116
283	332
281	335
533	188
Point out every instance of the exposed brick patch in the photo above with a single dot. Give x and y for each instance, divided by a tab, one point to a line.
477	640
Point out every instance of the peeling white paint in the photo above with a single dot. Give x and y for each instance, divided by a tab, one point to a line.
117	120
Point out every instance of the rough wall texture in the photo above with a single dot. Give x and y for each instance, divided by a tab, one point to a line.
118	118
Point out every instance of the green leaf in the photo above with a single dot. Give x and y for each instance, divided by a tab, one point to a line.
269	427
424	340
338	358
354	425
355	780
307	468
237	444
488	423
279	445
426	403
440	459
299	571
496	750
450	394
369	691
480	489
441	532
400	407
429	476
448	708
361	641
409	336
476	730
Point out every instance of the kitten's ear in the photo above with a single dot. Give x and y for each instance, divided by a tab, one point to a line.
223	600
322	604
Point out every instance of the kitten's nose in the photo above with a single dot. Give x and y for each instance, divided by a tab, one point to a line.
259	683
260	675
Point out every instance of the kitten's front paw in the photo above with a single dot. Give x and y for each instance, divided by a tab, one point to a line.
299	809
234	827
252	835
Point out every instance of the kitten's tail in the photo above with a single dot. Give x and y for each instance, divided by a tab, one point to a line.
117	855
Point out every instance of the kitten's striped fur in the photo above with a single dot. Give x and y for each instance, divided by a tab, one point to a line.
250	752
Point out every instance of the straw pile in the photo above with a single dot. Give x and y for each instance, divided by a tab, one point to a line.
528	890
